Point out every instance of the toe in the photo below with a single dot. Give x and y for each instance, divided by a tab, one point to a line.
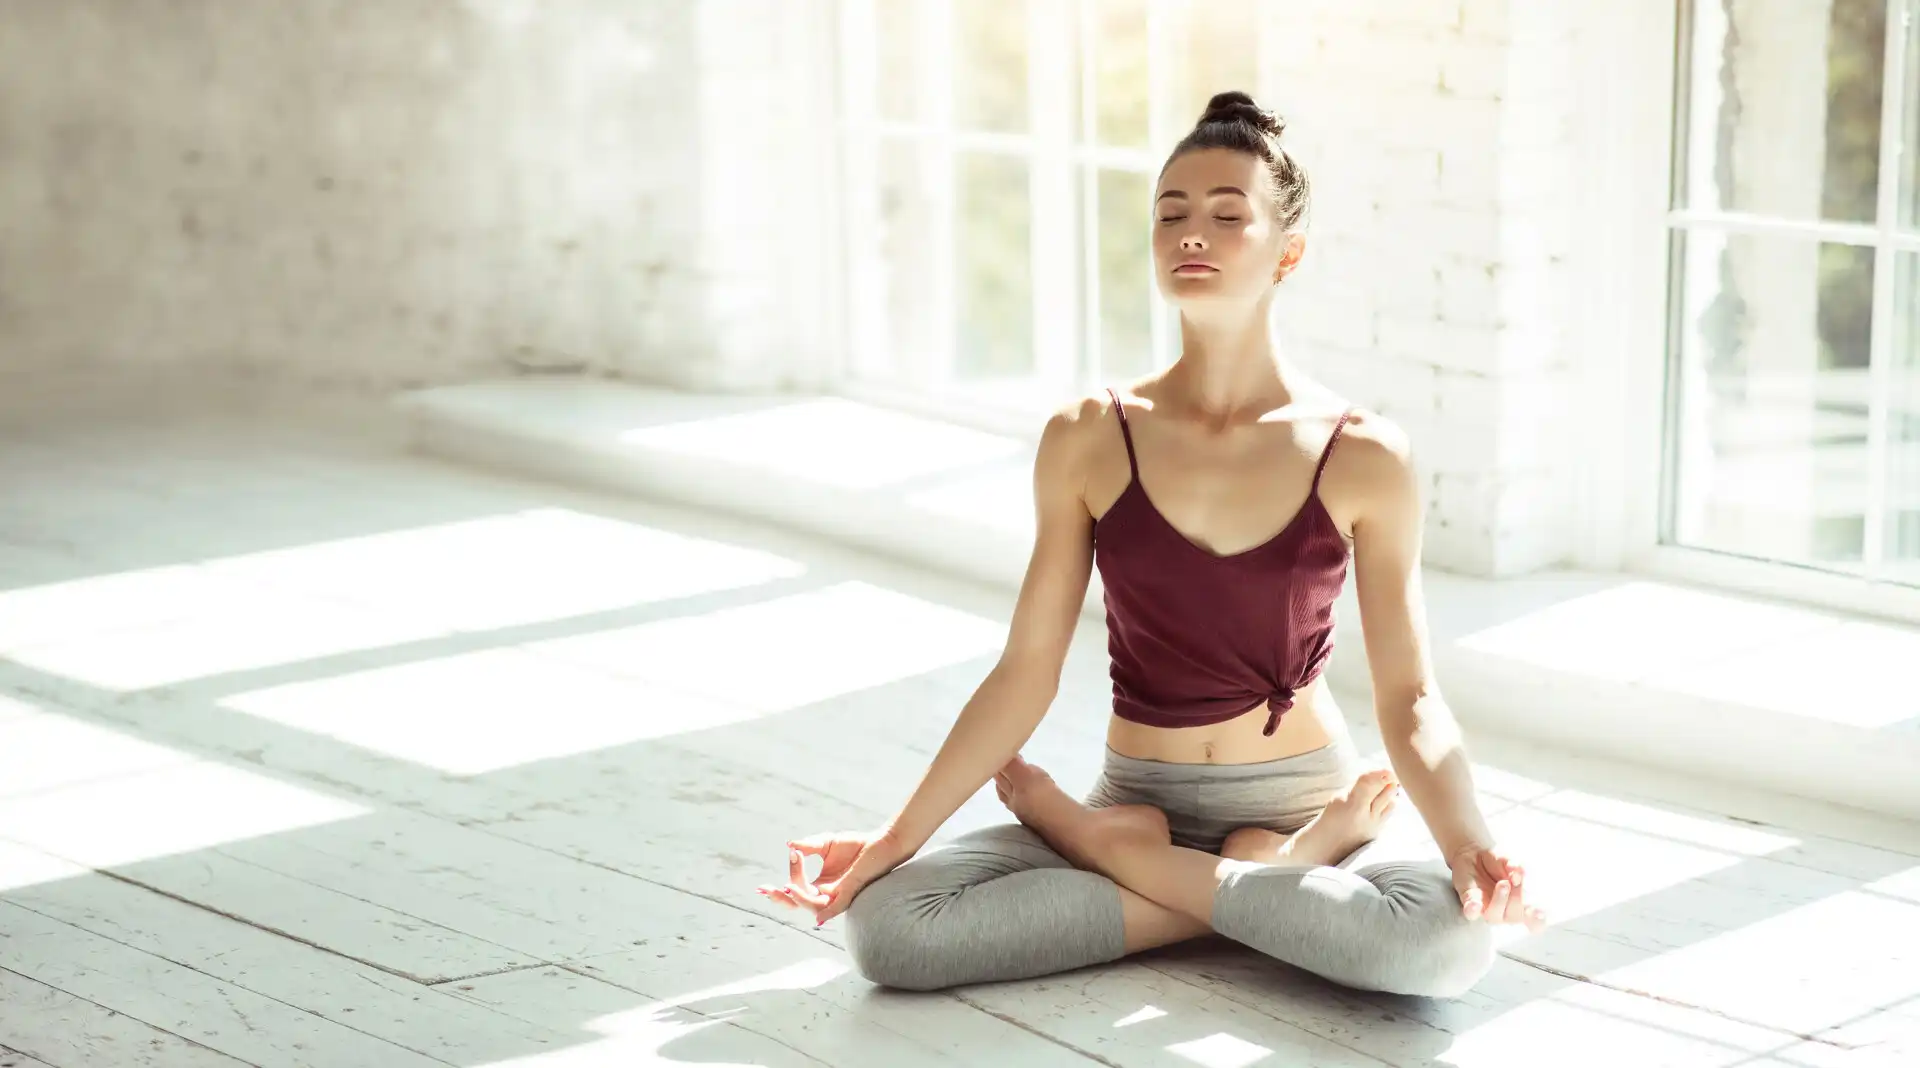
1370	786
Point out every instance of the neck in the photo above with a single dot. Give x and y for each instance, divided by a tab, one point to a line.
1228	363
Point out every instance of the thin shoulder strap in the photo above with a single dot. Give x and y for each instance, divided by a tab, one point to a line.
1328	451
1121	410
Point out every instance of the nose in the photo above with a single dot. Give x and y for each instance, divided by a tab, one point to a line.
1192	243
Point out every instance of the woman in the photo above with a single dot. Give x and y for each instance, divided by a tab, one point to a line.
1231	800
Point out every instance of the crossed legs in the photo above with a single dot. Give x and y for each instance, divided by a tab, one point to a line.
1073	885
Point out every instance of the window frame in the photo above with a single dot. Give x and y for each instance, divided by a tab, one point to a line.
1065	162
1659	554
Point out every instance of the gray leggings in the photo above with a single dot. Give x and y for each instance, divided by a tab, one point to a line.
997	903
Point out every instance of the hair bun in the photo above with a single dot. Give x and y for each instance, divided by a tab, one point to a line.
1236	106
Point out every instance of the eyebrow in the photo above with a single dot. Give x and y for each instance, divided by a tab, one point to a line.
1214	192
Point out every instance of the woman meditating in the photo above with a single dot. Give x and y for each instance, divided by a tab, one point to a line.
1222	499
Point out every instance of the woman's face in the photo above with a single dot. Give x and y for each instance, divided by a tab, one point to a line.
1215	238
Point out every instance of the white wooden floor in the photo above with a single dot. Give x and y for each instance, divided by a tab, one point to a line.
314	753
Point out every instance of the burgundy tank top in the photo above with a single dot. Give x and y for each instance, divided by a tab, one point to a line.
1196	638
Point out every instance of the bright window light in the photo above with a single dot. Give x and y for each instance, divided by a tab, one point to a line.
21	867
165	626
511	570
485	711
832	440
1763	969
1221	1051
189	806
792	651
1146	1012
40	751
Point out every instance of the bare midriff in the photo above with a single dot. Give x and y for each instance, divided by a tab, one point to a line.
1312	723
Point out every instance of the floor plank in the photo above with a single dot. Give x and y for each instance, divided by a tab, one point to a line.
13	1058
616	1025
1707	925
366	931
65	1031
424	1019
791	987
240	1023
532	901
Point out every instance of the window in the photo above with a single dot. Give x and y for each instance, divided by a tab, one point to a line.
1000	156
1794	362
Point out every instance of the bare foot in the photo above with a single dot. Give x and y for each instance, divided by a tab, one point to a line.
1347	823
1077	832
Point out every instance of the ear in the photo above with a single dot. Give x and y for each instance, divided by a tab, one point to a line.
1290	255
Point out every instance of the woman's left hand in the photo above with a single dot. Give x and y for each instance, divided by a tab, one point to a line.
1492	887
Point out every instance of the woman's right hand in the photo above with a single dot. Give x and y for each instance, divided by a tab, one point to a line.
848	862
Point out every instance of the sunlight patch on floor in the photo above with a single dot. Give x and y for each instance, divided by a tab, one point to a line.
1867	949
161	626
484	711
41	752
1577	868
160	803
515	569
791	651
1221	1050
21	867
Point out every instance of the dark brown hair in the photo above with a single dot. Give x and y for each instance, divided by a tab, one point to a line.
1233	121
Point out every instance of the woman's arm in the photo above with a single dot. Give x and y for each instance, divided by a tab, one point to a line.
1421	736
1015	696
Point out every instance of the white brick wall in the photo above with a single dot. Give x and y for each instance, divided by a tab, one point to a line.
1439	138
407	191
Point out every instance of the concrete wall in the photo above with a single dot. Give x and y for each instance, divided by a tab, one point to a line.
403	191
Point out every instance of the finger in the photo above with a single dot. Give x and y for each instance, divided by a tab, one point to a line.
813	846
1536	919
1471	902
779	896
1517	905
1497	907
796	868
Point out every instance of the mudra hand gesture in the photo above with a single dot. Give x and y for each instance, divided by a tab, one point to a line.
1491	887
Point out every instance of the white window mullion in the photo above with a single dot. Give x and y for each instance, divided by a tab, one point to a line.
1052	239
1880	353
866	270
939	166
1167	50
1089	179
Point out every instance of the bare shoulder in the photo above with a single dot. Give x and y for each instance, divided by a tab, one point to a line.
1069	441
1373	443
1371	471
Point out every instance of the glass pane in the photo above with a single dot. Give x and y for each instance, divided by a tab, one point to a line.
1222	52
1910	158
995	269
1786	107
1126	320
1773	398
1902	555
905	229
990	65
1120	72
897	36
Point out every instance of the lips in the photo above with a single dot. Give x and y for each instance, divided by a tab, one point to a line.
1196	268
